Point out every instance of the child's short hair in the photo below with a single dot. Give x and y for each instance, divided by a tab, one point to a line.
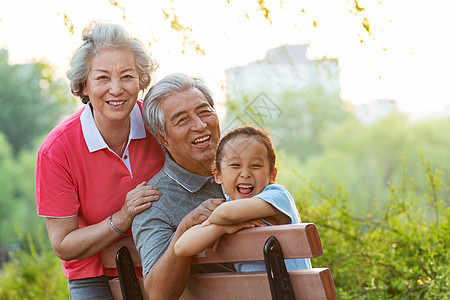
250	131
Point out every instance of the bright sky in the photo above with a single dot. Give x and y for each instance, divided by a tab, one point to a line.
408	61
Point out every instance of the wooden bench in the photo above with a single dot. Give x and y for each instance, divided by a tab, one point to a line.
263	243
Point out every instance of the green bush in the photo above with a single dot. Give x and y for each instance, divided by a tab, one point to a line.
33	274
398	252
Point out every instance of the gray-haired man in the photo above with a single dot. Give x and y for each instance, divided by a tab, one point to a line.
179	112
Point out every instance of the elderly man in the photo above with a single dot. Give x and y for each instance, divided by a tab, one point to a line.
179	112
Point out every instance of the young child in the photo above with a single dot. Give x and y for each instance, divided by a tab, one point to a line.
245	166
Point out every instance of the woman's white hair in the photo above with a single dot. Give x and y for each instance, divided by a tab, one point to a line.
97	36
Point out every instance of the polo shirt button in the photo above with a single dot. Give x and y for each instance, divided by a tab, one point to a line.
125	157
211	180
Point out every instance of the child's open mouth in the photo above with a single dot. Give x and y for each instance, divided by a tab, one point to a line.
245	189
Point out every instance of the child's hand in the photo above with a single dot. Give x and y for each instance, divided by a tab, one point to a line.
214	245
257	222
206	223
230	229
236	227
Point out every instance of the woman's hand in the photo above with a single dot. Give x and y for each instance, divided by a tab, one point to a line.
137	200
71	242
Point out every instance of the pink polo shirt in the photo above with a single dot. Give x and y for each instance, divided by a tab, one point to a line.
78	175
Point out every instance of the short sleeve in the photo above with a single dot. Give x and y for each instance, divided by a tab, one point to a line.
55	192
281	199
152	234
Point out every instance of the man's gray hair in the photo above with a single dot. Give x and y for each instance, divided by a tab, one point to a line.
97	36
169	85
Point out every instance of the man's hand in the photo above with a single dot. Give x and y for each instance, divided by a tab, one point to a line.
201	213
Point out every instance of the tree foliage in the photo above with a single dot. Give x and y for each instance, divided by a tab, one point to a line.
399	251
31	102
365	159
17	200
297	107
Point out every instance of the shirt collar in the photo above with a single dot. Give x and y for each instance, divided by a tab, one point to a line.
224	192
94	139
189	181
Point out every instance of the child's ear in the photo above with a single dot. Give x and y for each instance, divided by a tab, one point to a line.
273	176
217	176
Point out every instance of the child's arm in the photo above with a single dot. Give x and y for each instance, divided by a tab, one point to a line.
242	210
199	237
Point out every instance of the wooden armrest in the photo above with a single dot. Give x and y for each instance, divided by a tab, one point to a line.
297	240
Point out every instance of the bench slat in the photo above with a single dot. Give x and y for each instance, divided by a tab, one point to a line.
311	284
297	241
317	284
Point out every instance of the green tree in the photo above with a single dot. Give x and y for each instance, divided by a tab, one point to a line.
17	200
296	107
31	102
398	251
306	115
8	177
364	159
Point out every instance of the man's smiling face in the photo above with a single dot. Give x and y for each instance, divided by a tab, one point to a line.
192	131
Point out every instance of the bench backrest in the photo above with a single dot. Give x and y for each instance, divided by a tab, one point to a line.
296	241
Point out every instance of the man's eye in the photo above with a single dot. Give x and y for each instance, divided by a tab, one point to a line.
205	112
182	121
256	166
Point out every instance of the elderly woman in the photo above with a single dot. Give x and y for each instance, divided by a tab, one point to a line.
93	167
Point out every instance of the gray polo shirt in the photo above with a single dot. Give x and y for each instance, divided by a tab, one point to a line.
181	192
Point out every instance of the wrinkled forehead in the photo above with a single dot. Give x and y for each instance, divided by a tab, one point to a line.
180	104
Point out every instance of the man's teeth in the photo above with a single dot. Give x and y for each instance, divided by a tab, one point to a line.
116	103
199	140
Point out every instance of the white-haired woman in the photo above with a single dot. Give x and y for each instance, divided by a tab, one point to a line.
92	168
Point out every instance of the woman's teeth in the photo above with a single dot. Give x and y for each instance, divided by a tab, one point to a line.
115	103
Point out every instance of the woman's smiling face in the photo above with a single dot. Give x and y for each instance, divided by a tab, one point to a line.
112	85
